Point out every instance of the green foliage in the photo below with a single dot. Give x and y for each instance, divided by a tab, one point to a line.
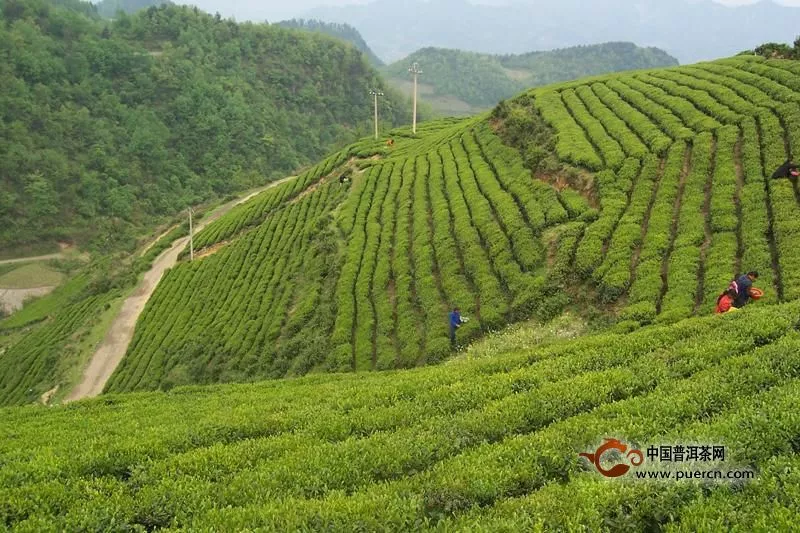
672	241
647	281
369	268
778	50
613	190
608	148
572	143
480	444
315	275
111	8
478	79
567	240
614	274
341	31
50	328
109	127
527	132
665	201
672	186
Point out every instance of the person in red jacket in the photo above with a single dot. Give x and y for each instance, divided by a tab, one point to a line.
725	301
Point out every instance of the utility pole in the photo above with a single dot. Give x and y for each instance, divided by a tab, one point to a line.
375	94
415	71
191	236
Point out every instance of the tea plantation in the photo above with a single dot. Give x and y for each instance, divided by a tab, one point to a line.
317	275
488	443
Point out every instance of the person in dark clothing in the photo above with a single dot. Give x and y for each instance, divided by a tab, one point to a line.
786	170
455	323
742	286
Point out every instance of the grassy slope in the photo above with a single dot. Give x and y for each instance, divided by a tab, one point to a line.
51	340
30	275
489	442
367	251
678	175
679	159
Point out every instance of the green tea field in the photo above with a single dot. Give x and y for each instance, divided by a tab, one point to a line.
480	444
321	276
633	196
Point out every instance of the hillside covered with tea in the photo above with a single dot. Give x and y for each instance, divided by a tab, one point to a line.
648	190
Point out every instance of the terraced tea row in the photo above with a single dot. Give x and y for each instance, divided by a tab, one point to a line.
711	210
451	217
369	269
37	355
323	274
459	445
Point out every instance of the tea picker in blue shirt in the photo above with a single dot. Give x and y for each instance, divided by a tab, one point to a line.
455	323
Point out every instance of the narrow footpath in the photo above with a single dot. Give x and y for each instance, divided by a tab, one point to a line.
30	259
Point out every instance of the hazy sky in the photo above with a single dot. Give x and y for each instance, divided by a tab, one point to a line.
275	10
739	2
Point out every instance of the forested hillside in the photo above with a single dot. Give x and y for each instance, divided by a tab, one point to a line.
110	8
482	80
341	31
108	126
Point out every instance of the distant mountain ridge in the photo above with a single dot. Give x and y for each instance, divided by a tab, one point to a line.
482	80
683	28
342	31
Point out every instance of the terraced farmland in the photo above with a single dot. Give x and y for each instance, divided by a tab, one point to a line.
28	366
679	222
488	444
315	274
319	276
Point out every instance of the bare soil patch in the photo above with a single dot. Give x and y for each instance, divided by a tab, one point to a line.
12	300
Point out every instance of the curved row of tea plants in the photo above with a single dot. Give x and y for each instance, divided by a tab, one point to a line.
446	218
485	443
710	213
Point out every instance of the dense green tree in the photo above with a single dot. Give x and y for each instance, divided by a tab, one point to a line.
342	31
778	50
110	8
131	120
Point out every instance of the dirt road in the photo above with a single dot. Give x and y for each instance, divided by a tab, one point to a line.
115	344
34	258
